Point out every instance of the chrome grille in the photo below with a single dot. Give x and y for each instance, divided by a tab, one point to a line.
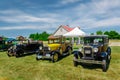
46	49
88	52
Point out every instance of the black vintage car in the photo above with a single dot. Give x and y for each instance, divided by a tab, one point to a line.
95	50
24	48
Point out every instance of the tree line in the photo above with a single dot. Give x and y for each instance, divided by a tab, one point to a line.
39	36
111	34
44	35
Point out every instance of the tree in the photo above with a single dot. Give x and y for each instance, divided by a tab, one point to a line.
112	34
107	33
43	36
99	32
31	36
92	34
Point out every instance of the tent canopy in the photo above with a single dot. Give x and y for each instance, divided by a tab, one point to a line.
76	32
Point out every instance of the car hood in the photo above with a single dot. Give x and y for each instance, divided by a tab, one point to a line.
54	46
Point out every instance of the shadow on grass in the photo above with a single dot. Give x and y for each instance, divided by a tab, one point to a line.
93	66
24	55
60	58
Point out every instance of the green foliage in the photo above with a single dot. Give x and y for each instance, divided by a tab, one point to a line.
92	34
99	32
112	34
37	36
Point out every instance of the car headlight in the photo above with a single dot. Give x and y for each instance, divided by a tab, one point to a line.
40	47
95	49
49	48
80	49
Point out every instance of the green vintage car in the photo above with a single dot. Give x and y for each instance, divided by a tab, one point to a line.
56	48
4	44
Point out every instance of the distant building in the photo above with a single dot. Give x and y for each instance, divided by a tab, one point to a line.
21	38
62	30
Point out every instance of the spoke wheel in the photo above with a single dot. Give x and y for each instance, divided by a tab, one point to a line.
104	66
55	57
9	54
75	63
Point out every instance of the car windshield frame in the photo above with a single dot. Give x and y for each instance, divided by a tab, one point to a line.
53	41
93	40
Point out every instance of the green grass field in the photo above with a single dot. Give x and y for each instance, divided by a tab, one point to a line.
27	68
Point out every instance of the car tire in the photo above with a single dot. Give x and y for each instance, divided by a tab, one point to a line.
69	51
9	55
109	53
55	57
17	55
75	63
104	65
37	58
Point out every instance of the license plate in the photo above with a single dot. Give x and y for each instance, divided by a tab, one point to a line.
39	56
48	55
87	52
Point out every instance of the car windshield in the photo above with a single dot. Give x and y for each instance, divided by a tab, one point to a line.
92	40
54	41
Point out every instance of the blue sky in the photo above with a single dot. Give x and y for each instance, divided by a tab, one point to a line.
22	17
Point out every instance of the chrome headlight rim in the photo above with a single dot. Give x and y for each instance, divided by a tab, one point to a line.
49	48
80	49
95	50
40	48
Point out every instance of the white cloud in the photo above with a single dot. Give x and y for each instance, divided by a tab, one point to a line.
108	22
68	1
13	16
97	14
20	18
24	27
93	14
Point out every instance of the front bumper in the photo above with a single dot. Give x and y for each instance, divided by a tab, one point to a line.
43	56
88	61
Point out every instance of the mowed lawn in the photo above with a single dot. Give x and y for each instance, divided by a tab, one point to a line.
27	68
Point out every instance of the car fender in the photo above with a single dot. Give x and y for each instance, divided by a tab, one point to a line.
109	50
53	52
77	54
67	49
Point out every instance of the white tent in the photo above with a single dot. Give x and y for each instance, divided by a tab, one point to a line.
76	32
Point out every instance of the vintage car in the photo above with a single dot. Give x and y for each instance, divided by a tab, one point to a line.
24	48
56	48
4	45
95	50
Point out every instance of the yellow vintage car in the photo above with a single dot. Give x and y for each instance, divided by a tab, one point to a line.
56	48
